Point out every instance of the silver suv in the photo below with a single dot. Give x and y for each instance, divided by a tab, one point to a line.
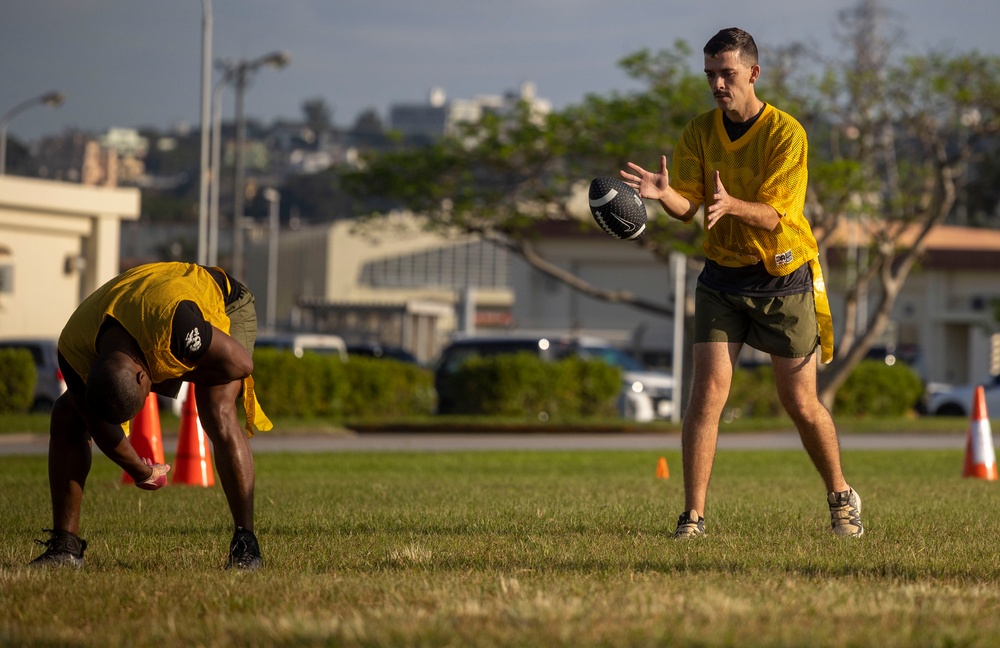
49	384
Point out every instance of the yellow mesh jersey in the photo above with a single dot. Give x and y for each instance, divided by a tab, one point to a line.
143	301
766	165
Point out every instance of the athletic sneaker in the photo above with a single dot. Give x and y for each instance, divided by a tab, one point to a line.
62	548
845	514
244	553
689	525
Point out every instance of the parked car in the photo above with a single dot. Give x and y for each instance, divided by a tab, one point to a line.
645	395
956	400
376	350
49	384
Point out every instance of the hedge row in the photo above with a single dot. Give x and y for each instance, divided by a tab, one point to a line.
873	389
521	383
17	380
320	385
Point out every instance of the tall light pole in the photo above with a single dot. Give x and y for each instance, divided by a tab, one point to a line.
48	99
216	172
241	73
206	82
273	198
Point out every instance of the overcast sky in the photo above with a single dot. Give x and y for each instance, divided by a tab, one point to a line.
131	63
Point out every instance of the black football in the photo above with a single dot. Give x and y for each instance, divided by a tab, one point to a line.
617	208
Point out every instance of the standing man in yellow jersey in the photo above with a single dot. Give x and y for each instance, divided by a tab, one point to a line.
147	330
762	284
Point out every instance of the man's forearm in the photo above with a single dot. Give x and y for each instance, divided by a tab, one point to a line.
757	215
677	206
116	447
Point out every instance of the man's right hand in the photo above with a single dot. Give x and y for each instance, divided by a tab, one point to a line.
157	478
649	185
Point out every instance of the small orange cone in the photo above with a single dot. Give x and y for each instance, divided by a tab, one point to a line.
980	459
193	463
145	434
662	472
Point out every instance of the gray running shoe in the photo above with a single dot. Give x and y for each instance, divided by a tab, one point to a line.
244	552
845	514
62	548
689	525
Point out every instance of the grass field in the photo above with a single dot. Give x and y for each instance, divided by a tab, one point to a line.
515	548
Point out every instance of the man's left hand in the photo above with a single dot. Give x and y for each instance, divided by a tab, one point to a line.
721	203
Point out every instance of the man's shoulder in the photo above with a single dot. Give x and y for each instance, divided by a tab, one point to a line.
704	120
781	119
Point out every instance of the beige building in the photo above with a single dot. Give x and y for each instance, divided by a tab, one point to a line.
385	281
58	242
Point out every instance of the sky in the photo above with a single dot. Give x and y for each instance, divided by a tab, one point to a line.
136	63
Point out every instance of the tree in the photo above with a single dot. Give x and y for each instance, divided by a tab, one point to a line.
892	141
889	139
500	176
318	116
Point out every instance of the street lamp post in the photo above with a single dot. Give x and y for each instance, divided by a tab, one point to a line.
240	74
273	198
49	99
206	81
216	173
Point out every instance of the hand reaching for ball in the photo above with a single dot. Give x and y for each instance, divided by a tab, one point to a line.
157	478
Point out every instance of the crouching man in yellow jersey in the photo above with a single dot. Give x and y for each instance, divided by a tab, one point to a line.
147	330
762	284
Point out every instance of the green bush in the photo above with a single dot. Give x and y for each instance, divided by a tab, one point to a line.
17	380
383	387
873	389
877	389
322	386
753	393
520	384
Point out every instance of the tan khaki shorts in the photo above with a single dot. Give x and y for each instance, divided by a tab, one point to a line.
782	326
243	320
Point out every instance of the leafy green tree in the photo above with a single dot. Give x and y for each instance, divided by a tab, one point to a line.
890	141
500	176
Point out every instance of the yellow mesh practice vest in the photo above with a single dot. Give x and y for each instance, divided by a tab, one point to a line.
766	165
143	300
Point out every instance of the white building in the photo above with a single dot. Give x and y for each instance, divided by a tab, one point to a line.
440	116
58	243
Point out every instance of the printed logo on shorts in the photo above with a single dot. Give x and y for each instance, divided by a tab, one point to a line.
193	340
783	259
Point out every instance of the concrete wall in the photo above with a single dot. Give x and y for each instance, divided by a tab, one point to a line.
58	242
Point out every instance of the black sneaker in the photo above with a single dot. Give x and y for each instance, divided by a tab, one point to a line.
244	552
62	548
689	525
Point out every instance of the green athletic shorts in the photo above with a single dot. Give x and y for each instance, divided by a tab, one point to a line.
243	319
782	326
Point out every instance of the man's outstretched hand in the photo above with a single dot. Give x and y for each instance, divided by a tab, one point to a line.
157	479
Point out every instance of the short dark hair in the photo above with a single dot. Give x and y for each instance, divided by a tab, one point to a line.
733	39
113	392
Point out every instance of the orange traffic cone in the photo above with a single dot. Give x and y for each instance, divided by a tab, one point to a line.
193	463
662	472
980	459
145	435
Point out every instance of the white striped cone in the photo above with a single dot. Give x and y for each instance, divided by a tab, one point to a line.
980	458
